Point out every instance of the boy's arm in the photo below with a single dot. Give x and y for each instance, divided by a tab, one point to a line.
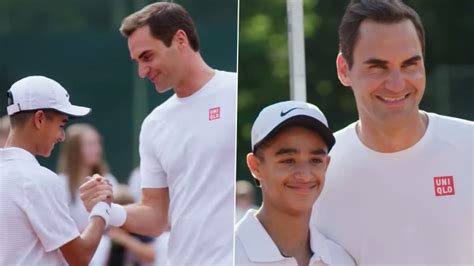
80	250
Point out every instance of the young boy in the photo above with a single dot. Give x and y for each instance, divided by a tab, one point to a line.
36	227
290	142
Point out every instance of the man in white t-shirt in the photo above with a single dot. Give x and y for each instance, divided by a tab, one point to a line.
187	144
399	190
290	145
36	227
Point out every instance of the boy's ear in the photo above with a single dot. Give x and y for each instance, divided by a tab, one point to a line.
39	118
253	164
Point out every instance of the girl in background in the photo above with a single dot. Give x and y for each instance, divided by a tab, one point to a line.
81	155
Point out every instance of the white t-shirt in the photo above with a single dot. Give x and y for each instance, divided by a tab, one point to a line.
409	207
161	249
188	145
34	215
134	184
254	246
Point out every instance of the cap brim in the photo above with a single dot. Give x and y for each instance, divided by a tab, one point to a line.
305	121
75	111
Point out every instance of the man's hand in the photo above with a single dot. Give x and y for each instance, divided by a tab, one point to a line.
94	190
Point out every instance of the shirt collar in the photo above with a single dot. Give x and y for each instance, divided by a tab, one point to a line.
257	243
319	246
14	153
260	247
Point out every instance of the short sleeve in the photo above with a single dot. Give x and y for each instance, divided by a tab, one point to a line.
151	171
47	210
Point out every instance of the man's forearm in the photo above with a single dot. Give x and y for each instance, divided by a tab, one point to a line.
145	220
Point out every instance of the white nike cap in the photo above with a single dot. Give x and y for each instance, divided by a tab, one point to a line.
38	92
281	115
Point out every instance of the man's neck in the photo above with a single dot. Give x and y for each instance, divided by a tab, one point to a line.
289	232
392	136
194	76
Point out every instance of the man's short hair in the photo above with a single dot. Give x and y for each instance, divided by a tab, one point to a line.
382	11
164	20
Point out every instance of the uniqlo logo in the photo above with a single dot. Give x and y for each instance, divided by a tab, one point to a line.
443	185
214	113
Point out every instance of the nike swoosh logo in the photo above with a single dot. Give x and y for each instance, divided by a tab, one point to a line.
282	114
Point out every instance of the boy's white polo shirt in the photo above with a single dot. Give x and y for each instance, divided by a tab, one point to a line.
34	215
254	246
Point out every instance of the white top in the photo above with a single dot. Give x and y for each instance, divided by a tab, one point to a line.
134	184
161	249
188	145
240	212
254	246
34	215
409	207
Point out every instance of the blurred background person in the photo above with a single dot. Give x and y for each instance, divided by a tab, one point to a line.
128	248
81	155
161	242
244	198
4	129
134	184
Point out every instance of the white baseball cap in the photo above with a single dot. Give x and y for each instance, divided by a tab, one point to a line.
39	92
280	115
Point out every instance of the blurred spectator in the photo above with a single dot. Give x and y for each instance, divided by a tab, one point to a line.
81	155
245	198
127	248
161	242
4	129
134	184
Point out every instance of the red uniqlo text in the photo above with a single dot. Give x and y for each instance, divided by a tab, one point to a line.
214	113
444	186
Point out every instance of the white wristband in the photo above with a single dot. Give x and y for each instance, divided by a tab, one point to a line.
118	215
102	210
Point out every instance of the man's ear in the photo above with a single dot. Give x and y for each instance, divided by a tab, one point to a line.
343	70
180	38
39	118
253	164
